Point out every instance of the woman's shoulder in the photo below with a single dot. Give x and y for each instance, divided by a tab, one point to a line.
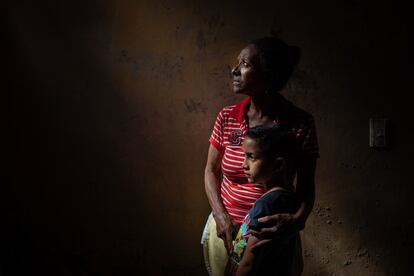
296	116
228	108
295	111
226	112
235	110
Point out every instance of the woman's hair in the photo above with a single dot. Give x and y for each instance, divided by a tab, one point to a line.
275	141
277	59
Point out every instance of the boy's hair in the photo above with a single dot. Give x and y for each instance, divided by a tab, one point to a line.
275	141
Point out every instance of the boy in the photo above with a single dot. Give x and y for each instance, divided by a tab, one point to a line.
269	153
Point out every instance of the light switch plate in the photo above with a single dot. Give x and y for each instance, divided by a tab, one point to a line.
378	132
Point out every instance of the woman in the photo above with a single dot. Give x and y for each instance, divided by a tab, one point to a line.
262	70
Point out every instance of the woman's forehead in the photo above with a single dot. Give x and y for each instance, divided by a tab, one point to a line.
249	52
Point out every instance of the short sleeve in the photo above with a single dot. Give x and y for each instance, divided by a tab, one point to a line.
260	209
271	204
310	145
216	138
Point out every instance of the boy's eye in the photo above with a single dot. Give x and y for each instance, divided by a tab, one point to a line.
249	156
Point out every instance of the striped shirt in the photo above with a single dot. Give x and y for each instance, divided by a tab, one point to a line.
237	194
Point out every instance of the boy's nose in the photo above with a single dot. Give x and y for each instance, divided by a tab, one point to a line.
245	166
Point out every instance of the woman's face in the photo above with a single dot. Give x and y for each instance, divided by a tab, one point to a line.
247	77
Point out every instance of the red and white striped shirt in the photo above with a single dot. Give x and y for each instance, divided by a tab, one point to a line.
237	194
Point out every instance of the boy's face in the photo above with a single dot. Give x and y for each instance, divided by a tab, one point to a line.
257	167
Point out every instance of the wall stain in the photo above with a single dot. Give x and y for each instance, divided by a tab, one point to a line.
201	40
212	26
169	68
125	57
194	106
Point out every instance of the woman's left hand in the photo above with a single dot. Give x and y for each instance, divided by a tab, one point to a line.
278	226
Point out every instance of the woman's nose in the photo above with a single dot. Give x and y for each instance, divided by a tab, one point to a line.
235	71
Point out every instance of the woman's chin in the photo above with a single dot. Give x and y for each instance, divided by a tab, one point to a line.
238	91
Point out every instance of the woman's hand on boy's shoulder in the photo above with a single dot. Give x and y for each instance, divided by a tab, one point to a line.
278	227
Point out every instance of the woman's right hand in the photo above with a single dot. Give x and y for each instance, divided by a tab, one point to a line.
225	227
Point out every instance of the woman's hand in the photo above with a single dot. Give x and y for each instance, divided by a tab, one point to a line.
226	228
277	227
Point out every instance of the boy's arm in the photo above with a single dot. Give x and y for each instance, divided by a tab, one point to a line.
249	262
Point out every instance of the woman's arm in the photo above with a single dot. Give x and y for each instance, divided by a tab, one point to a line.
305	190
225	225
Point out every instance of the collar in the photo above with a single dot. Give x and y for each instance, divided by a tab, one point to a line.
240	109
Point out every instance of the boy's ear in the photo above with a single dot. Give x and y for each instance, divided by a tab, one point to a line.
280	164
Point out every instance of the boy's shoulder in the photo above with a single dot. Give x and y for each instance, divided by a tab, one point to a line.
276	194
275	199
279	201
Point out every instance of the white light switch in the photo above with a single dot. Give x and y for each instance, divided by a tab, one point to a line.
378	133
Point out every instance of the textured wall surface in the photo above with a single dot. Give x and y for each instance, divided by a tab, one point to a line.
109	106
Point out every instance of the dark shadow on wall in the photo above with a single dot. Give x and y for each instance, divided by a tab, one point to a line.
69	207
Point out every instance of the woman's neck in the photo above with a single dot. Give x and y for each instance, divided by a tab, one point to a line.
264	108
